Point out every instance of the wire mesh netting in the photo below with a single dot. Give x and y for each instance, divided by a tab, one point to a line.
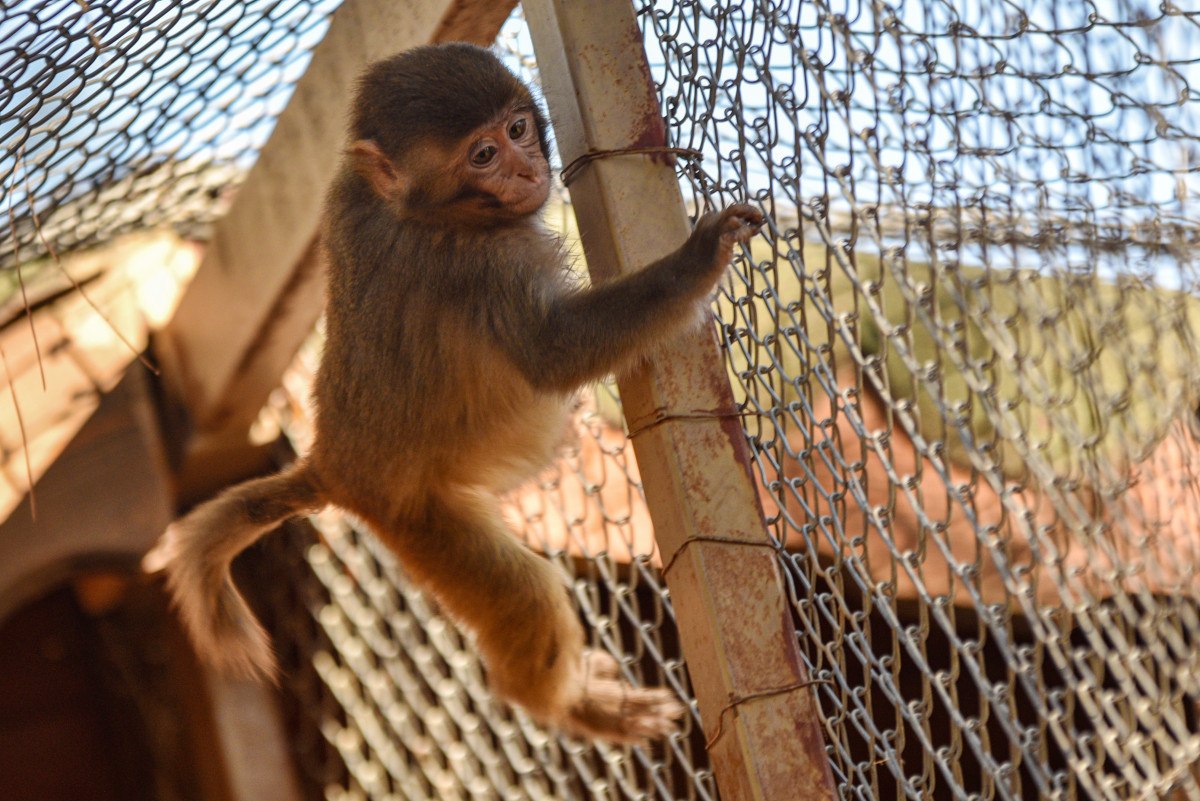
121	115
968	341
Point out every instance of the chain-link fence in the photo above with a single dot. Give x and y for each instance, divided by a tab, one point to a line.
965	347
116	116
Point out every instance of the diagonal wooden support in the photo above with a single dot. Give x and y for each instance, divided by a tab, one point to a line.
103	501
734	619
258	291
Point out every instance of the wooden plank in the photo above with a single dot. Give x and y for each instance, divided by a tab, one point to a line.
105	499
258	291
735	623
252	740
475	21
82	352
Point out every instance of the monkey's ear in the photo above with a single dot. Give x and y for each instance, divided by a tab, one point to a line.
373	164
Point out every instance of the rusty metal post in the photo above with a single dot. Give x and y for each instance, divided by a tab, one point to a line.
759	714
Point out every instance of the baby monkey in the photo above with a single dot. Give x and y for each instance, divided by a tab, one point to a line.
455	341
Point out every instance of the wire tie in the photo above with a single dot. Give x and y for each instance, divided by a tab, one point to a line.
737	700
572	170
713	538
661	417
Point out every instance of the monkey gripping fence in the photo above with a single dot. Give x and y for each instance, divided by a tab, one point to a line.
964	353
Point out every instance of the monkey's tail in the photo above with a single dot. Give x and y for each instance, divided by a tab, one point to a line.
197	550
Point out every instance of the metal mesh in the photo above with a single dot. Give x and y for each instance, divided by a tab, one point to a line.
968	346
122	115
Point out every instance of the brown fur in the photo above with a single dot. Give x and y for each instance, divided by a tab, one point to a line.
455	340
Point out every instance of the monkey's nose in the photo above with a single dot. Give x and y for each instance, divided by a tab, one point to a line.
529	172
525	167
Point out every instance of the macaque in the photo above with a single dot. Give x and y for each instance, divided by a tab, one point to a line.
455	341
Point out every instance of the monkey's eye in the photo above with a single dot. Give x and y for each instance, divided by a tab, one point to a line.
517	129
483	156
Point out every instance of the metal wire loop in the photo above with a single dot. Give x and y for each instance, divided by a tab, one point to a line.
572	170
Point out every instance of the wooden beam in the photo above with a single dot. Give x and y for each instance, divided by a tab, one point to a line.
259	290
735	623
252	739
104	500
475	21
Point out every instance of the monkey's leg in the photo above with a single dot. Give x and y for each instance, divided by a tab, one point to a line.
459	549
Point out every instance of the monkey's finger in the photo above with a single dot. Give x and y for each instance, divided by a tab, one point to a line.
745	211
742	232
749	228
752	220
741	220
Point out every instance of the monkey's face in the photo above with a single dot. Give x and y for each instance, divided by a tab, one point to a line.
503	170
495	174
447	135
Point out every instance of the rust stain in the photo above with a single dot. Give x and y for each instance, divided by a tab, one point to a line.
650	130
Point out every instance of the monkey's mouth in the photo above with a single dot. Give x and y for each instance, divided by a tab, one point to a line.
531	198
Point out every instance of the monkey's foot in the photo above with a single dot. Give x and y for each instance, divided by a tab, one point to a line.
612	709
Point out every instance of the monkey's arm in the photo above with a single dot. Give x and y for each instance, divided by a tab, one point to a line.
586	335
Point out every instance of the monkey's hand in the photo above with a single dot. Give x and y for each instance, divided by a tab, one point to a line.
615	710
712	240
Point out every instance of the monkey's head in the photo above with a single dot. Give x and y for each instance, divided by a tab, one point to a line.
446	133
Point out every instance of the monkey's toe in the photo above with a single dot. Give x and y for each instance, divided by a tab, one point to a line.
739	222
599	665
615	711
651	714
